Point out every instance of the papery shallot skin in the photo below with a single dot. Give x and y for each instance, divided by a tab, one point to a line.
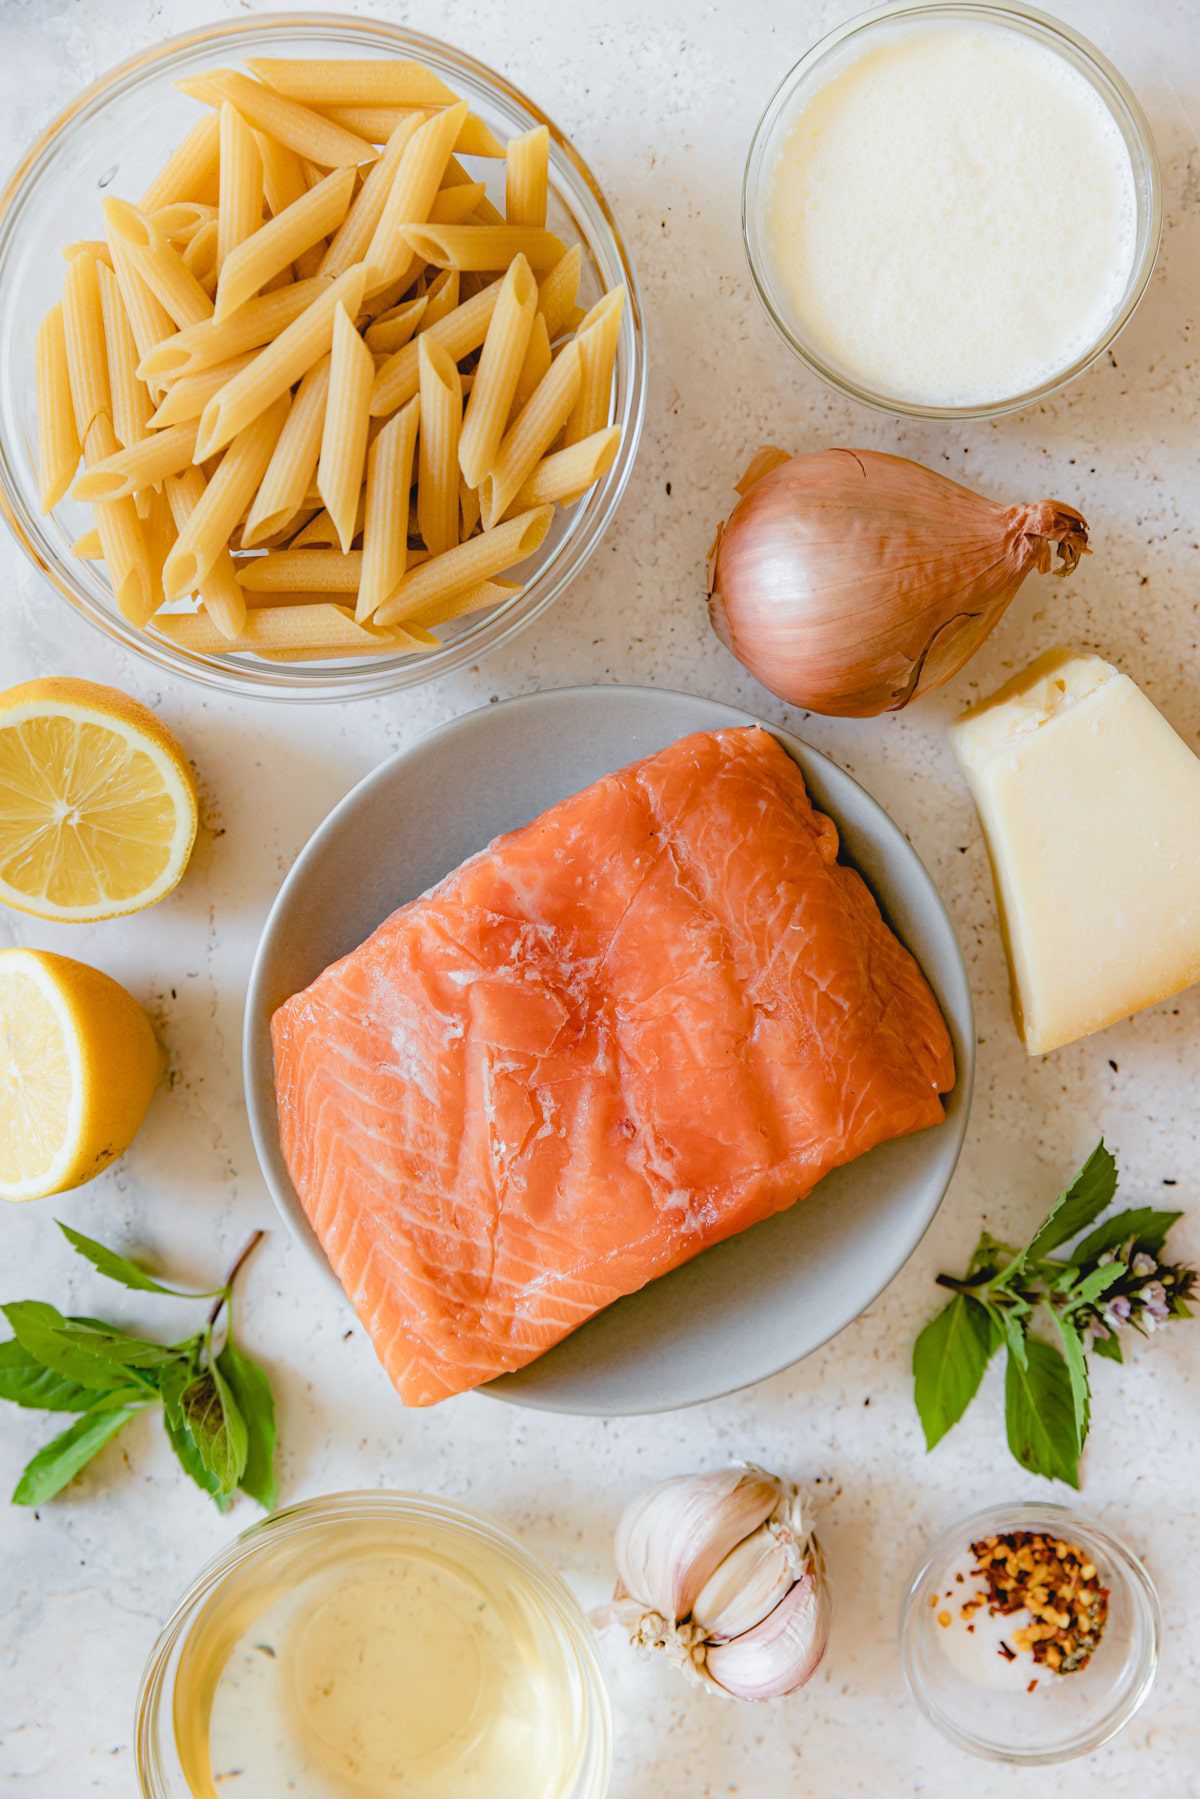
657	1014
851	582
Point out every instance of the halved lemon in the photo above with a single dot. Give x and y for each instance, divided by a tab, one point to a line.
79	1062
97	802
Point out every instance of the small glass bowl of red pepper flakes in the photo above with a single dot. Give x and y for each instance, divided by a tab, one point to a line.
1030	1633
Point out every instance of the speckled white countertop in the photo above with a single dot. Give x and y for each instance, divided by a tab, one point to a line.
661	96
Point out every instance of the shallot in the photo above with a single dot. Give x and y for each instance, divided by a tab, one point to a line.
852	582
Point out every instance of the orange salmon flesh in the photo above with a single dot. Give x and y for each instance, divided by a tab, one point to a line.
657	1014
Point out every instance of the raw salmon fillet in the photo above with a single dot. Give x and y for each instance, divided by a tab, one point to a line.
657	1014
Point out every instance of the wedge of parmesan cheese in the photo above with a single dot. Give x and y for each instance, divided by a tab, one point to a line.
1090	805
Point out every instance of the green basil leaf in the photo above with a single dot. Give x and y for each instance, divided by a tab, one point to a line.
94	1356
1040	1413
1076	1360
1108	1347
252	1392
1146	1228
1088	1289
948	1363
1012	1329
120	1269
217	1427
191	1461
1090	1193
171	1385
63	1457
25	1381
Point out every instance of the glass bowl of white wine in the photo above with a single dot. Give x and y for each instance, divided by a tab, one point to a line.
383	1643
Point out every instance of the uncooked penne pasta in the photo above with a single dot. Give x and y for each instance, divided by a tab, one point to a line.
437	448
376	124
538	358
283	177
313	570
459	605
499	370
87	358
323	629
466	565
215	340
455	205
332	81
558	291
190	172
149	320
468	508
218	588
395	328
441	298
527	177
460	332
320	533
347	415
88	246
301	129
121	537
180	221
417	180
239	210
87	546
483	246
385	521
158	530
529	437
142	464
279	365
568	473
172	283
597	342
58	434
200	255
131	407
224	500
277	244
322	374
186	398
350	242
293	463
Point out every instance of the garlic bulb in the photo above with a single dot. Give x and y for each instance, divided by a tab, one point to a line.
720	1573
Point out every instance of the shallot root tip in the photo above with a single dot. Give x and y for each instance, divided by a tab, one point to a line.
1060	529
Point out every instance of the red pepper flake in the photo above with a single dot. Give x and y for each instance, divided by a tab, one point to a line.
1052	1580
1010	1655
1032	1687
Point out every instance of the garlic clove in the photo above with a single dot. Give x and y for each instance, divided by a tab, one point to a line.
674	1538
783	1651
749	1583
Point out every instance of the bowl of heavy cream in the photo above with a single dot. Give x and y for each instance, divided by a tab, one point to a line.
951	209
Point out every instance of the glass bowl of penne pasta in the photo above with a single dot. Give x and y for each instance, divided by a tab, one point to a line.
323	359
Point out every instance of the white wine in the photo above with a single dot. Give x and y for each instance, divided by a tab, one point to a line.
380	1655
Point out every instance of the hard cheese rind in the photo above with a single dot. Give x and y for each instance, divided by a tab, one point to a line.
1090	805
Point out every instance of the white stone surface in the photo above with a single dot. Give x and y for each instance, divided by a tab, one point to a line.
660	96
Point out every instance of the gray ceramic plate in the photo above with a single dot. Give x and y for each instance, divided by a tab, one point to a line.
751	1306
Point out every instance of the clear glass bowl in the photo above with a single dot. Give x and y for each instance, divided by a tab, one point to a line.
115	135
229	1598
859	35
1067	1715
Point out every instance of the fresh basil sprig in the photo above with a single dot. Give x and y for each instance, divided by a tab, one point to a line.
216	1404
1113	1279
